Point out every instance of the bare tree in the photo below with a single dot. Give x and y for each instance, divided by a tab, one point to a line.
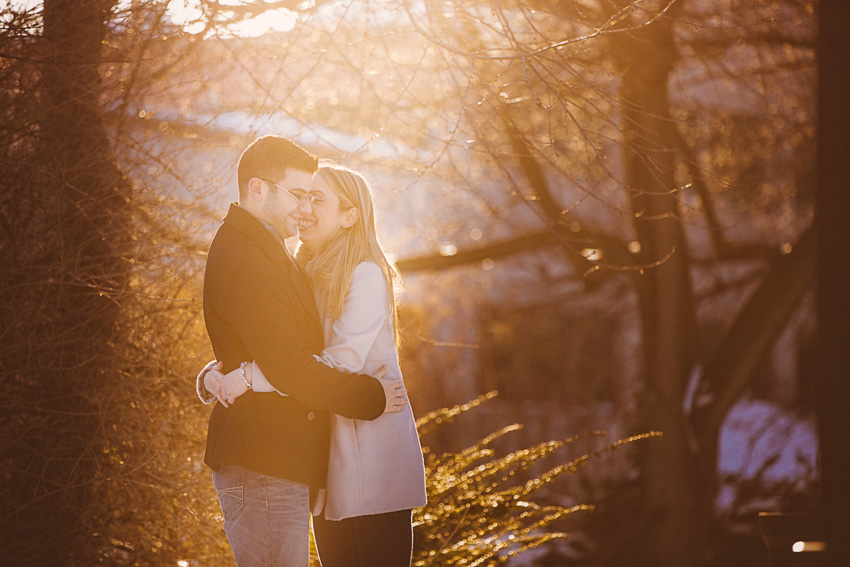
65	245
91	304
833	306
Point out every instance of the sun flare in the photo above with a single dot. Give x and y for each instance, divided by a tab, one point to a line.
189	15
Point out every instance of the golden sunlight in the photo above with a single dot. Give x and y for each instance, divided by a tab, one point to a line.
187	13
448	249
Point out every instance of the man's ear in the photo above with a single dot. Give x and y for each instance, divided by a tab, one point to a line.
350	217
256	189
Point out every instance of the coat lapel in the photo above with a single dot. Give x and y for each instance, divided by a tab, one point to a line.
303	288
244	222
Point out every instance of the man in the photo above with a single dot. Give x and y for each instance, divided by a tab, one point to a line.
266	450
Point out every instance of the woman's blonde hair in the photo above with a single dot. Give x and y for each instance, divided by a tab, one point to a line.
330	268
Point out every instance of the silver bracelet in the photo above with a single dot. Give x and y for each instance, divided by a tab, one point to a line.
245	378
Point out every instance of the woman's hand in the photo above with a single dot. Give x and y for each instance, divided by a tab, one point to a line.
394	392
212	381
225	387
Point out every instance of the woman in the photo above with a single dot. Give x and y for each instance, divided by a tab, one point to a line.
376	474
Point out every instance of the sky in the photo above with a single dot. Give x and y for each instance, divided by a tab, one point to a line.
188	14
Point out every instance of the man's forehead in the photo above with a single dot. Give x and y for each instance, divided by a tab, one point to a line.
297	179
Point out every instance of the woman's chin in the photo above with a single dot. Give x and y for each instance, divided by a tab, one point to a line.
312	241
309	243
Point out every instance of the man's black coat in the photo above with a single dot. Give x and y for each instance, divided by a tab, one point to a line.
258	306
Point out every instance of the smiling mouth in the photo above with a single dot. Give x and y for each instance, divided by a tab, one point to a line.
304	224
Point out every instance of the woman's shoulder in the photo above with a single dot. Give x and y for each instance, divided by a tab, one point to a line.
368	281
368	270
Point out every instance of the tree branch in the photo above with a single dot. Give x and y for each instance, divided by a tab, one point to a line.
435	262
754	330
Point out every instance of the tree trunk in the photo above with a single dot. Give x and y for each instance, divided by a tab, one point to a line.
72	248
671	498
833	277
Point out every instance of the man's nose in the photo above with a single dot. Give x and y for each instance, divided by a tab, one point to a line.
305	205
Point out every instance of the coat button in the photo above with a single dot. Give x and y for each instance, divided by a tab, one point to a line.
311	416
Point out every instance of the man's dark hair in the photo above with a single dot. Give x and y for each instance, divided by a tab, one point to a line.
269	157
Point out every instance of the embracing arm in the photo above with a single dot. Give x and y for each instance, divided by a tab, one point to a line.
263	311
364	315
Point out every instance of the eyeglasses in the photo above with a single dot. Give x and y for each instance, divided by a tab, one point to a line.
298	196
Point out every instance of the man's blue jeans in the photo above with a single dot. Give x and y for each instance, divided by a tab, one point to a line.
266	519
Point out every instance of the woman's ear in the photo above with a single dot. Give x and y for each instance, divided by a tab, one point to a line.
350	217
